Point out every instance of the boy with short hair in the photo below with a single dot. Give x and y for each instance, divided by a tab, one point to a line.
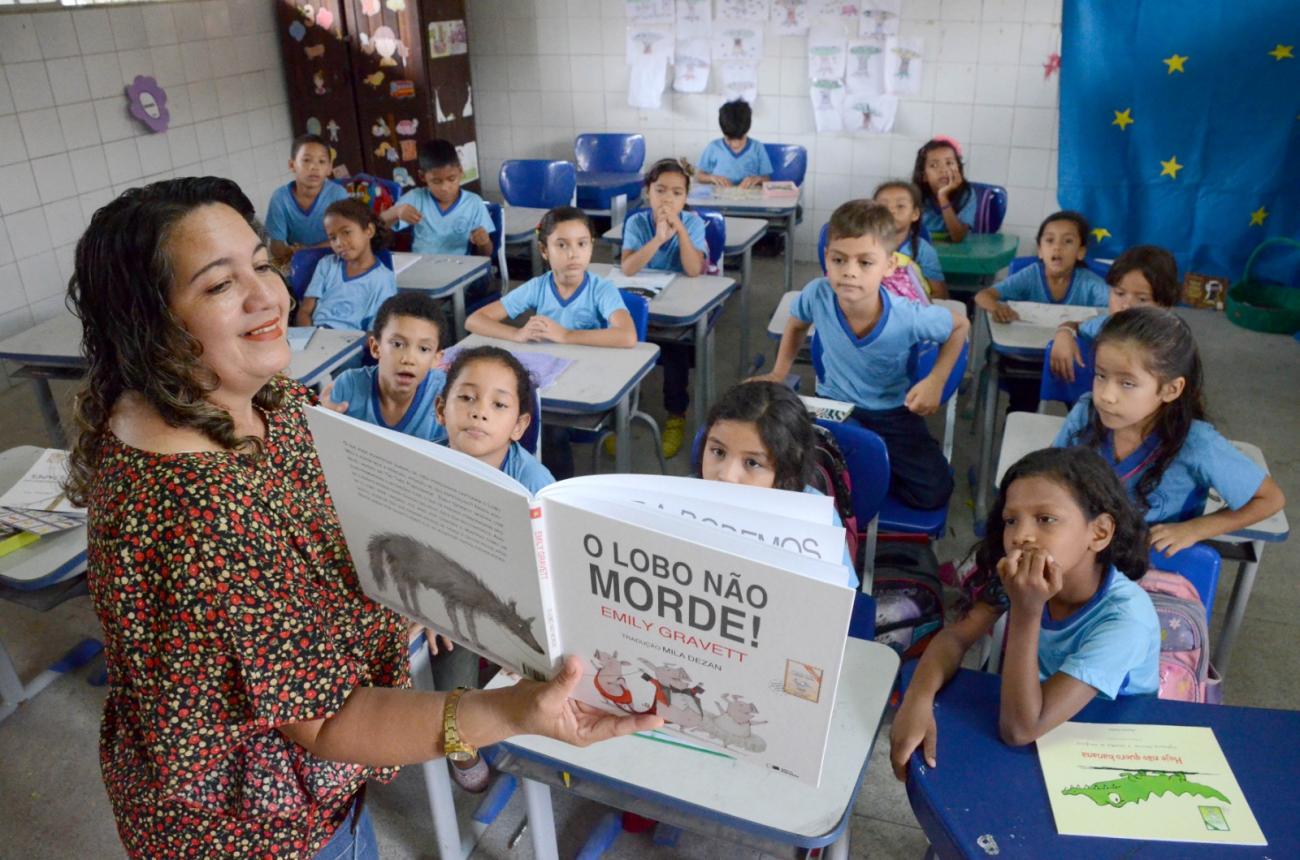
446	218
398	393
735	158
866	336
295	217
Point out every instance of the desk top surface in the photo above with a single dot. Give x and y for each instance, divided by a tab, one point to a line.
1030	431
741	233
685	299
978	254
741	199
57	342
1033	333
53	557
981	787
746	795
440	274
598	378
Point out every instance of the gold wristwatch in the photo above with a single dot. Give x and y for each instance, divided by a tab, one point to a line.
452	746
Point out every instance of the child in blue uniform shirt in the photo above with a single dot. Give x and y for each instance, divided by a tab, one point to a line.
446	218
295	216
399	392
949	200
1145	417
1063	547
737	158
348	287
668	236
903	200
866	337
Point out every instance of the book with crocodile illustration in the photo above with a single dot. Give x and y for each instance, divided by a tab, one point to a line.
722	608
1130	781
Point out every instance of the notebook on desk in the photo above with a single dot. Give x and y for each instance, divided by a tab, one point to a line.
403	261
825	409
646	283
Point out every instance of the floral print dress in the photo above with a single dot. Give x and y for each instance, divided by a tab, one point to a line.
230	606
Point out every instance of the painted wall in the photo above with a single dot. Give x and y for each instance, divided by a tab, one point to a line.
545	70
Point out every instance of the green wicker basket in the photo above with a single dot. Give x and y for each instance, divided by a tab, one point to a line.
1261	306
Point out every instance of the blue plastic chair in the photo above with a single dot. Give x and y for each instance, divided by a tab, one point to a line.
497	215
538	183
532	438
789	162
303	264
868	463
1200	565
715	230
990	206
1098	267
609	153
1052	387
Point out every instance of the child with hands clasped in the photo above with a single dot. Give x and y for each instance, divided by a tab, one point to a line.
949	201
1145	416
399	392
866	337
1141	276
760	434
347	288
446	218
1062	551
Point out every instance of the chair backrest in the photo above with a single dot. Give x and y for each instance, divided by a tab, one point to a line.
375	191
990	206
609	153
533	435
303	264
537	182
1053	387
639	309
868	461
1096	266
1199	565
385	256
498	217
789	162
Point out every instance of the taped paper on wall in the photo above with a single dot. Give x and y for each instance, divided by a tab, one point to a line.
879	18
691	65
869	112
865	66
645	83
649	40
828	105
739	81
738	40
790	17
650	11
903	69
694	18
826	46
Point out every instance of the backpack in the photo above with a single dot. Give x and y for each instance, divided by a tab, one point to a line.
1185	671
831	477
909	597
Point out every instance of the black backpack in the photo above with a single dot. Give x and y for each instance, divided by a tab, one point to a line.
831	477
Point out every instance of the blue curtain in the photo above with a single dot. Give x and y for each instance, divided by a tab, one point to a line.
1212	88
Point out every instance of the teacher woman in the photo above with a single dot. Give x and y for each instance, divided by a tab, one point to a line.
253	690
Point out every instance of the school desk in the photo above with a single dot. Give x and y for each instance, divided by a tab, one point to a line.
521	229
1022	340
1028	431
600	379
605	193
742	235
978	257
443	275
715	796
986	798
681	311
750	203
40	576
52	350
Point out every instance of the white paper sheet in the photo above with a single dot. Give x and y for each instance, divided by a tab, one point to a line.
41	488
790	17
843	11
826	46
649	40
743	9
869	112
903	65
468	155
694	18
739	80
828	105
650	11
865	66
879	17
738	40
691	65
646	79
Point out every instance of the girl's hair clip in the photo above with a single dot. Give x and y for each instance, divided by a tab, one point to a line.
951	141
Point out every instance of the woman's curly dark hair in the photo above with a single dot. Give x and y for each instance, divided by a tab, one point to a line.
1095	488
130	339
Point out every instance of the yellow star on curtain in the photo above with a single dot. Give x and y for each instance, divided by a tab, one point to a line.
1257	217
1282	52
1123	118
1100	233
1171	167
1175	63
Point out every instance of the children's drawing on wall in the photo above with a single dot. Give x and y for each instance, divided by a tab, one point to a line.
790	17
333	128
754	9
691	65
869	112
826	53
649	40
738	40
903	65
835	11
739	81
370	7
468	155
828	105
879	18
650	11
694	18
447	38
865	68
386	45
318	83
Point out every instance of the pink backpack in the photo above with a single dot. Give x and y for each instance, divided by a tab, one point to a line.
1185	671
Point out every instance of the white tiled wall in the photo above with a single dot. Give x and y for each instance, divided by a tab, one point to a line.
68	145
545	70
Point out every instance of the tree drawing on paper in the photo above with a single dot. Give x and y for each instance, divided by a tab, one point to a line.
905	58
1137	786
647	39
878	20
862	55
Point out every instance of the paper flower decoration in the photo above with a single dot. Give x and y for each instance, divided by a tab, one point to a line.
148	103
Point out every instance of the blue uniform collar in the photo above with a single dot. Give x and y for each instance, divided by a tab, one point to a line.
411	410
876	329
564	303
744	150
1102	588
1047	290
344	266
460	195
293	196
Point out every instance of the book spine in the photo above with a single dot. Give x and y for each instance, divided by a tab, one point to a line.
545	585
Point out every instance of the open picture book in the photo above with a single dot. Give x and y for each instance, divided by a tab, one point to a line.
722	608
